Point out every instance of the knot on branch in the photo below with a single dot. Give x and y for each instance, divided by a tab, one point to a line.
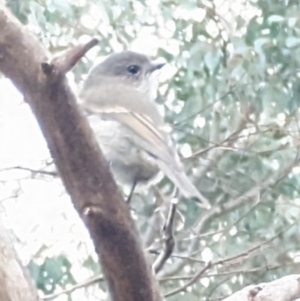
65	61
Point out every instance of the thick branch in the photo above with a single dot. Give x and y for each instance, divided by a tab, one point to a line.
79	161
15	283
284	289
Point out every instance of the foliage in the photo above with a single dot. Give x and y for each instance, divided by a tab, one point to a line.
231	94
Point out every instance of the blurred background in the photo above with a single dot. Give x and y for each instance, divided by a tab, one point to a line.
230	94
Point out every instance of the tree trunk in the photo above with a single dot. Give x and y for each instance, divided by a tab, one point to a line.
15	283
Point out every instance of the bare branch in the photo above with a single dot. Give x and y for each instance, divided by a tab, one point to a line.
168	240
233	272
245	198
189	283
78	158
68	291
284	289
65	61
15	281
225	263
34	171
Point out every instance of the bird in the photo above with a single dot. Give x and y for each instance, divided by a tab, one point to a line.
118	95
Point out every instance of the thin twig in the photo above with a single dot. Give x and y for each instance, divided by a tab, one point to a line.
217	211
234	272
68	291
34	171
192	281
168	239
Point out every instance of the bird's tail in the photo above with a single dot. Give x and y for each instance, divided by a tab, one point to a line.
183	183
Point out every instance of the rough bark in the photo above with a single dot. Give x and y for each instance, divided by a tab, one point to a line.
87	178
79	160
284	289
15	283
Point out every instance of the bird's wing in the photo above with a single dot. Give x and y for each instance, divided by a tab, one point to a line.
146	134
132	110
145	128
155	142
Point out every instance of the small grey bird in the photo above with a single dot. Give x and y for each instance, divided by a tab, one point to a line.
119	96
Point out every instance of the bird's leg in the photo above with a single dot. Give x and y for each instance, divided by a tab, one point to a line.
131	192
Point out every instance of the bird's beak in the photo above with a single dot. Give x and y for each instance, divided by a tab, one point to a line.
155	66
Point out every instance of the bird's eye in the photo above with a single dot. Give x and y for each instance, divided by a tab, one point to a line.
133	69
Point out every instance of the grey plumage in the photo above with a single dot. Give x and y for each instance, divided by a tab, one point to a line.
119	95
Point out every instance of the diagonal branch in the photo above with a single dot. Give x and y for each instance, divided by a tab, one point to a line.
246	198
79	161
190	282
168	239
68	291
284	289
